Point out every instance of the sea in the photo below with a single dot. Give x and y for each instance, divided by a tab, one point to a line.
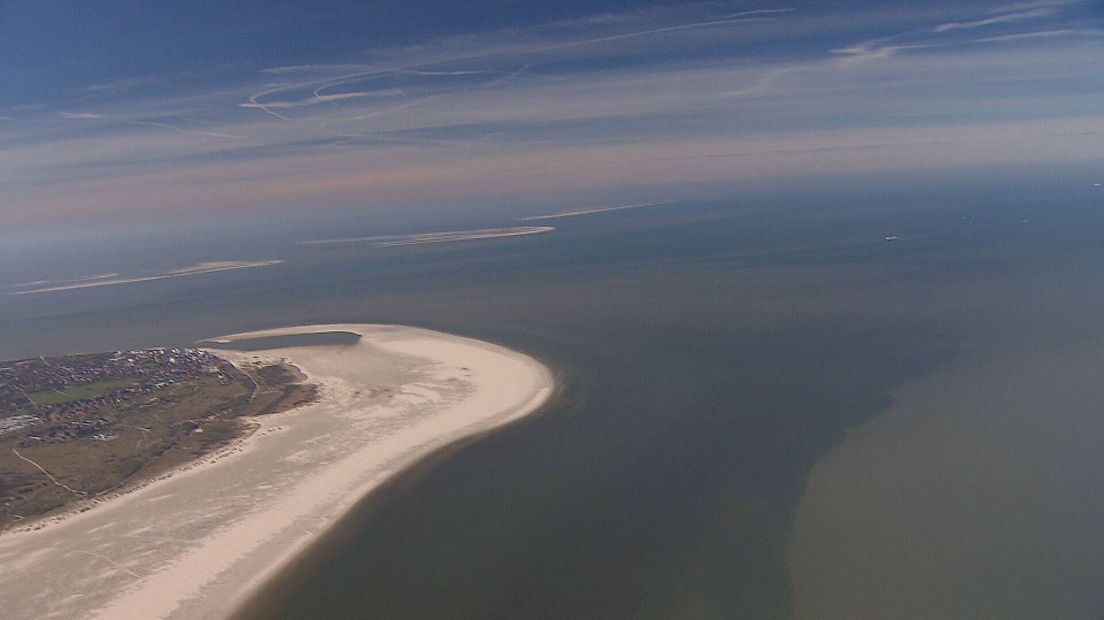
875	399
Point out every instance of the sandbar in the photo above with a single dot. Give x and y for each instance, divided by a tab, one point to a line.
198	542
438	237
46	286
590	210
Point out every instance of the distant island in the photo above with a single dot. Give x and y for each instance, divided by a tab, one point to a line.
77	427
438	237
590	210
113	279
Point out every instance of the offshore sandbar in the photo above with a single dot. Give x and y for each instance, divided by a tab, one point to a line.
447	236
113	279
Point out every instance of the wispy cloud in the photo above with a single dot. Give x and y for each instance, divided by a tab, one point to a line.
998	19
759	12
319	98
80	115
1042	34
874	50
210	134
680	94
651	31
122	85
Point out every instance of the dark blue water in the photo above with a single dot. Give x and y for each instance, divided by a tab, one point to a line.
712	351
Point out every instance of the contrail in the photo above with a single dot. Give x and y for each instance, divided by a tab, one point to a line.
759	12
382	72
323	84
352	77
438	73
261	106
422	100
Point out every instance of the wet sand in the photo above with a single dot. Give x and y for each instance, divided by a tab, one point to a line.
197	543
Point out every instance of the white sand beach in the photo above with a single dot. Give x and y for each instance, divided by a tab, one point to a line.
196	543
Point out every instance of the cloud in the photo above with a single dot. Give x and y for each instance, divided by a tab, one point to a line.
301	69
80	115
121	85
439	73
317	99
655	96
1041	34
210	134
873	50
651	31
999	19
763	85
759	12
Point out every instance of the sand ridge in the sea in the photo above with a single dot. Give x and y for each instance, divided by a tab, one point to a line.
197	543
114	279
448	236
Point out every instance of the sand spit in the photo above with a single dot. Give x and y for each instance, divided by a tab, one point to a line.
195	544
111	280
438	237
589	211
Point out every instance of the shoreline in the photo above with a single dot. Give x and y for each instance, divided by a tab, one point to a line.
157	469
266	597
402	396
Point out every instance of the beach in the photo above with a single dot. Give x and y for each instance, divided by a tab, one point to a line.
196	543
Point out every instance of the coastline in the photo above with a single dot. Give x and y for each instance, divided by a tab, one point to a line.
399	396
266	598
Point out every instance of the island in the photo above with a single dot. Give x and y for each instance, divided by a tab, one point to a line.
82	426
316	417
448	236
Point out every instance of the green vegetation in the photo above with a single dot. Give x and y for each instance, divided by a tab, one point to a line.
80	392
140	438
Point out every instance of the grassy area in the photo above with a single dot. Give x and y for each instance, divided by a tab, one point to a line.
79	392
171	426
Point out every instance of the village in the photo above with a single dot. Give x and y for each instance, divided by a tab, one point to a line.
66	397
77	426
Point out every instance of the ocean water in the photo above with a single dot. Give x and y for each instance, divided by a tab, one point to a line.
713	352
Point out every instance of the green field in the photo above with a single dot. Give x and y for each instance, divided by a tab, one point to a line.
166	427
79	392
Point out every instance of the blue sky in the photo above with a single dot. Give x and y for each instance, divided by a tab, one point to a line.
139	111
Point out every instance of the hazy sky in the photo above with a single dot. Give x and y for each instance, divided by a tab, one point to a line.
136	111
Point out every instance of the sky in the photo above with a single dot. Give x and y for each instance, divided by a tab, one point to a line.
121	112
